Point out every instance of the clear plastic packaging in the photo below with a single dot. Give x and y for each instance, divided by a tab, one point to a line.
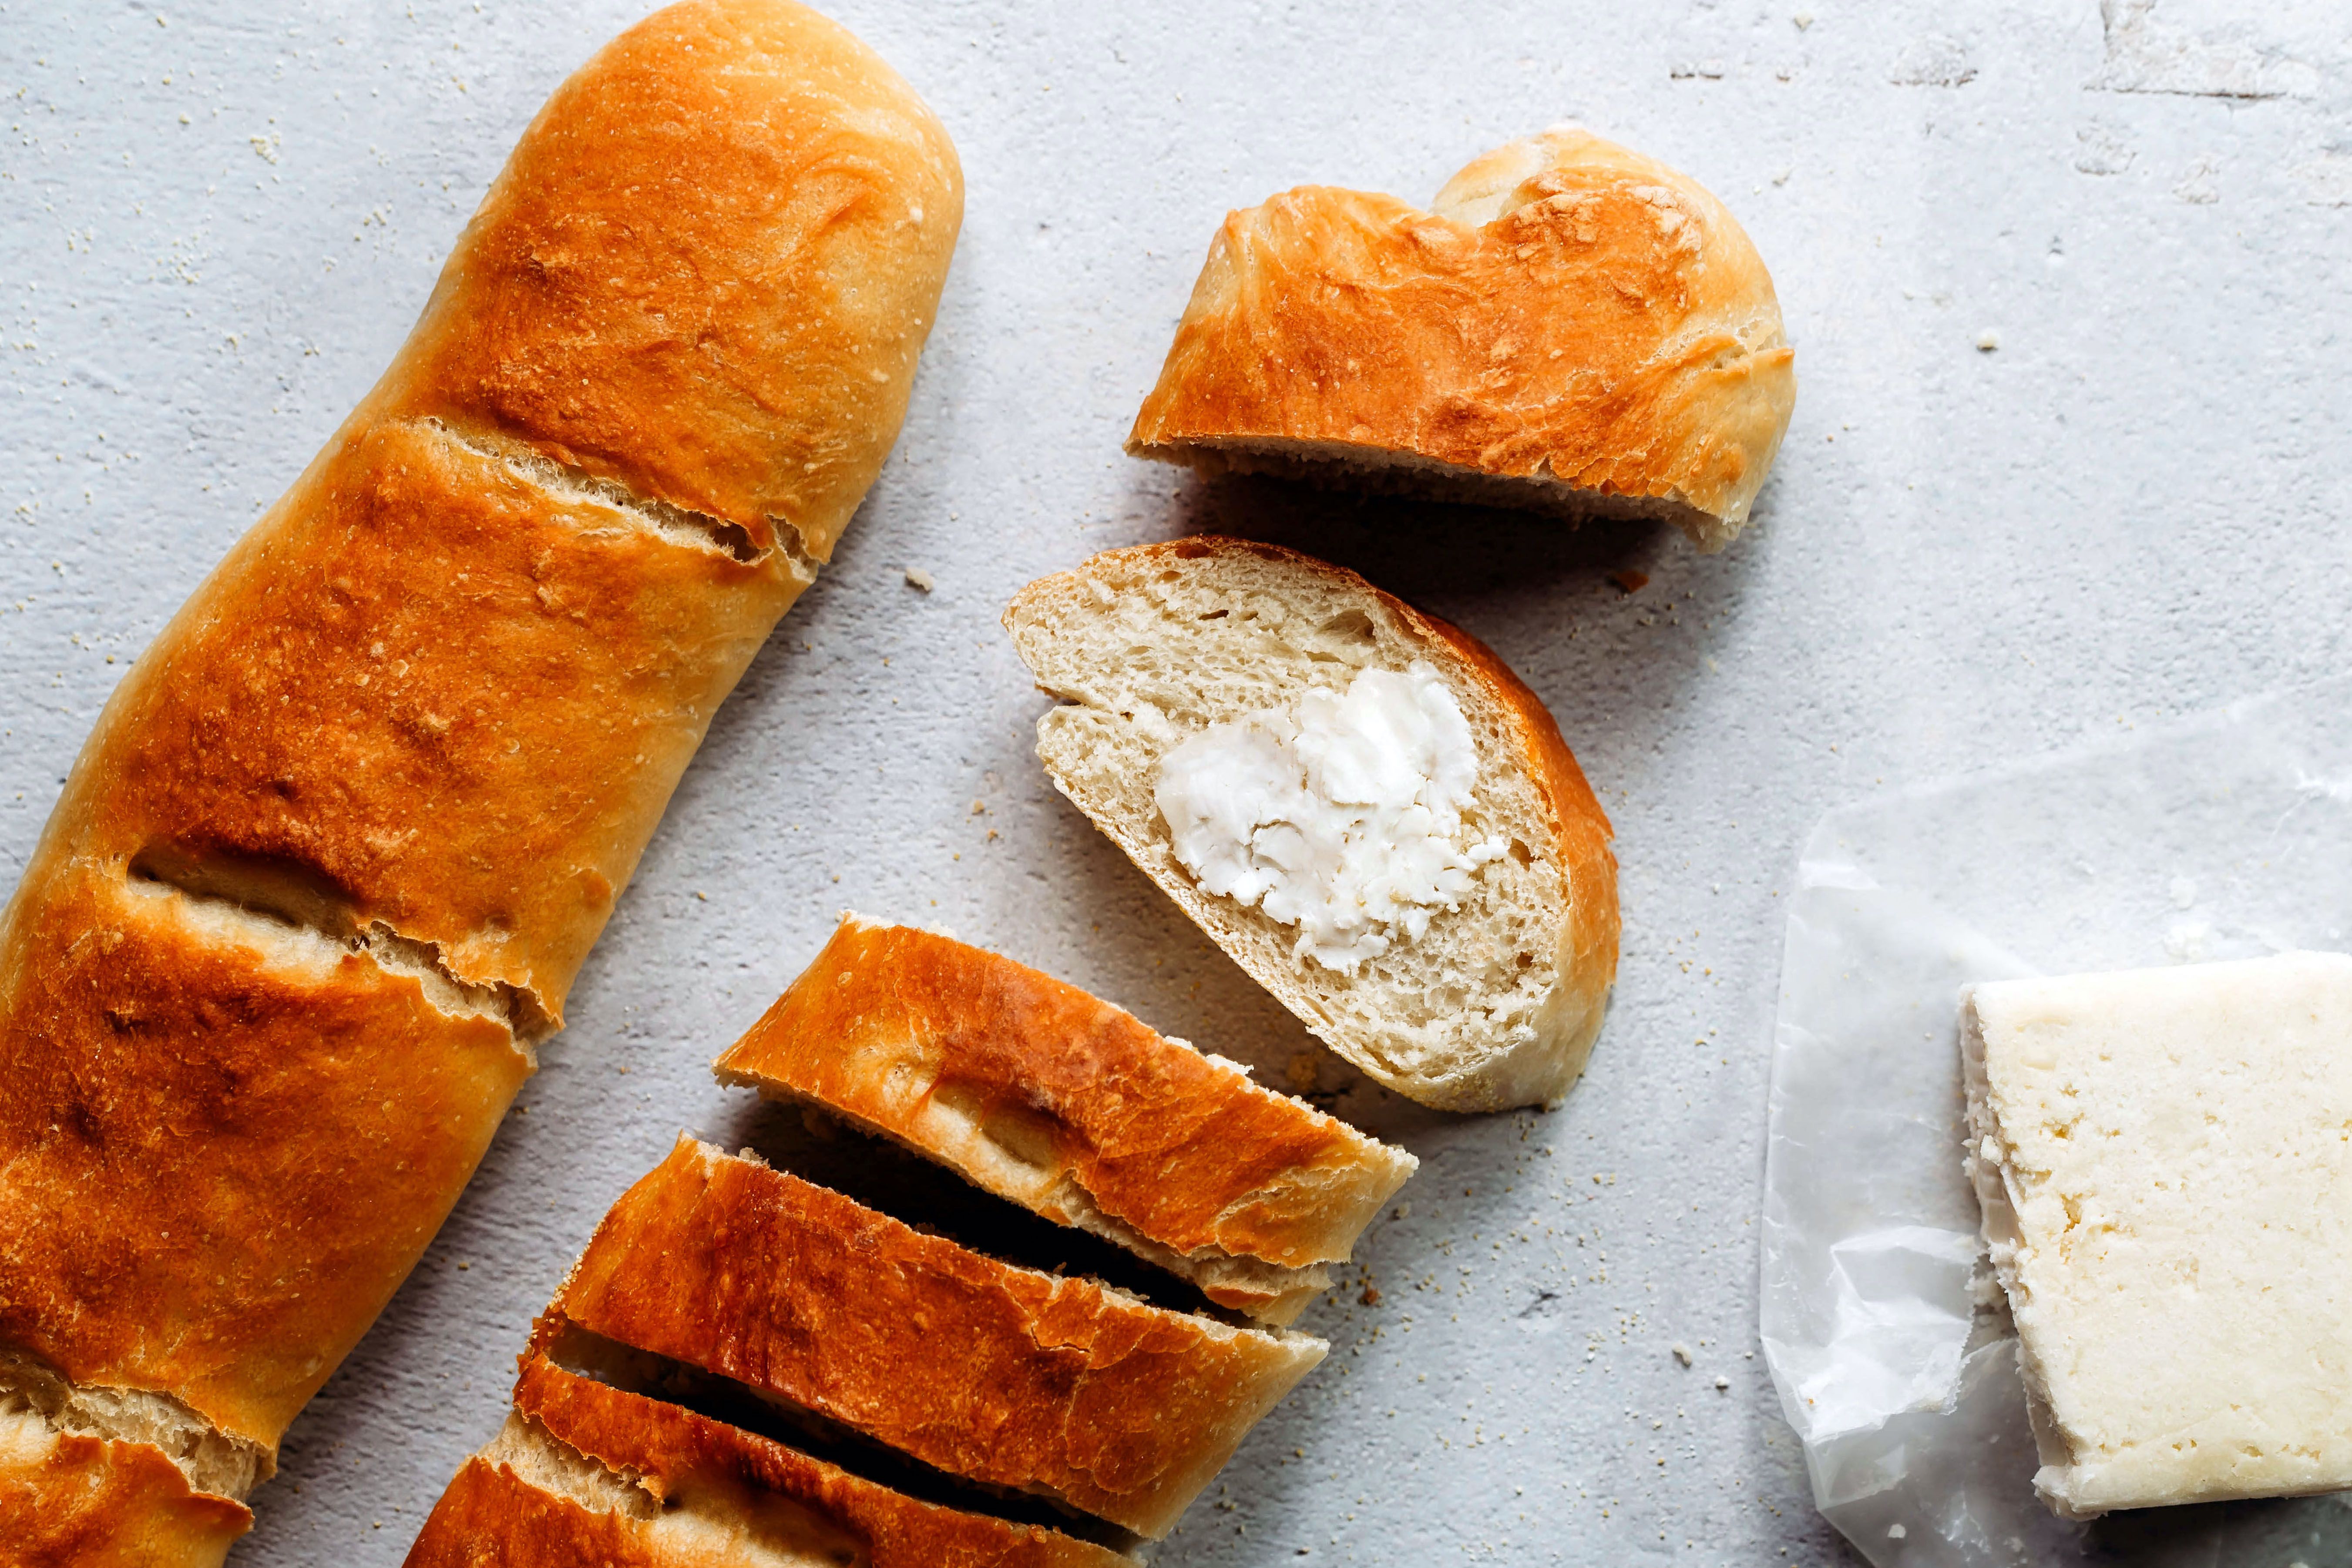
2223	837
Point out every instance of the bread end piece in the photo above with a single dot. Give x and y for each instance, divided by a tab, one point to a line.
1497	1003
1571	328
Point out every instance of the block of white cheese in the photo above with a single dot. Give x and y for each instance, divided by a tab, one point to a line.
2164	1158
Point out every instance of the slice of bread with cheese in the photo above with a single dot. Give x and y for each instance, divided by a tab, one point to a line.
1359	803
1037	1092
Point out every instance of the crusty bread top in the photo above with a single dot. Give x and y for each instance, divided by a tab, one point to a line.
226	1142
1497	1004
706	272
1031	1088
689	1461
1567	312
998	1374
428	694
73	1501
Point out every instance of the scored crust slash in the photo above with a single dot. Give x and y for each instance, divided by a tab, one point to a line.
339	844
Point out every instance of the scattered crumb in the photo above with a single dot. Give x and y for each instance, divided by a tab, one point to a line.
1896	1533
1988	341
978	806
1723	1383
1682	1354
918	579
1630	581
1371	1295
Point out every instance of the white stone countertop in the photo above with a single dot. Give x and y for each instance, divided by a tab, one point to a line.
2071	288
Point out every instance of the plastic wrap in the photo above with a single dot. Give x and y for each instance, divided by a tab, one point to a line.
2224	836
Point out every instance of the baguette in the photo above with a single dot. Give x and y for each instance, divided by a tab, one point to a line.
1035	1091
999	1374
322	876
1571	328
1496	1001
585	1472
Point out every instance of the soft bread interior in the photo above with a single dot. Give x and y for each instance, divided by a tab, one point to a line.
1147	651
212	1460
708	1522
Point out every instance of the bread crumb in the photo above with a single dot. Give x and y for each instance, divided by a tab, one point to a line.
1682	1354
1630	581
1371	1295
1896	1533
1723	1383
1988	341
918	580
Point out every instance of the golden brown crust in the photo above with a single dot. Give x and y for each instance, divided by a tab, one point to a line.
228	1143
686	1460
73	1501
1542	1065
1042	1094
1569	310
706	272
433	706
997	1373
427	694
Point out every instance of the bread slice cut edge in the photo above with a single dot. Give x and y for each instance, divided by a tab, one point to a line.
990	1069
1508	1011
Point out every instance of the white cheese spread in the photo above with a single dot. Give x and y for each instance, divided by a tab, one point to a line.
2164	1158
1342	818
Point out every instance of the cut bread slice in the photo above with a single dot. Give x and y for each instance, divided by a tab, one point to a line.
584	1472
1037	1092
1494	1003
1571	327
998	1374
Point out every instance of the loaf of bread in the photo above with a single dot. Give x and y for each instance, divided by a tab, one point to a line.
999	1374
1438	900
586	1472
1037	1092
327	865
1571	327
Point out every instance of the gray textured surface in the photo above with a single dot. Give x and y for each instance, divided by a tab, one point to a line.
219	224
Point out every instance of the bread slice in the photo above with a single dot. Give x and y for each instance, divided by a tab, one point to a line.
584	1472
999	1374
1496	1003
1033	1090
1571	328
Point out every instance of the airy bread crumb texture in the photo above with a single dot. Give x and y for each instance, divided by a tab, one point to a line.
708	1521
1148	647
213	1461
